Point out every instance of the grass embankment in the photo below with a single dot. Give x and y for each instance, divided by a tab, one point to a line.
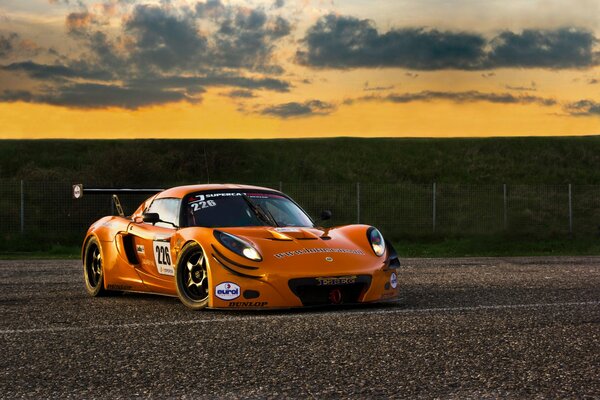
464	161
489	161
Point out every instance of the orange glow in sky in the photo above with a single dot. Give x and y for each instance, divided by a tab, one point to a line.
298	68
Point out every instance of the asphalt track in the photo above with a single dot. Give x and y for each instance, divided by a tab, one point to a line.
464	328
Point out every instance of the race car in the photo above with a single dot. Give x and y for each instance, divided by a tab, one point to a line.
226	246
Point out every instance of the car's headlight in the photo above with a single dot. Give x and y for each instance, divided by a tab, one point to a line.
238	245
376	240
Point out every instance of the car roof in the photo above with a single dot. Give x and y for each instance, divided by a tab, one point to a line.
181	191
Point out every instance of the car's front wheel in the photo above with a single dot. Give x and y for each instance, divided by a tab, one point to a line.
191	277
93	270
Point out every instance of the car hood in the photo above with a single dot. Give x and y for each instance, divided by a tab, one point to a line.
306	248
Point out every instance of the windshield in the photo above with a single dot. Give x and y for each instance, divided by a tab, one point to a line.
230	209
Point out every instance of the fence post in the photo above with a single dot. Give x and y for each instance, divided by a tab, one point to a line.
357	202
22	208
433	214
505	208
570	211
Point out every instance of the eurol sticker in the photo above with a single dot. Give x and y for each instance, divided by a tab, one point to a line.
227	291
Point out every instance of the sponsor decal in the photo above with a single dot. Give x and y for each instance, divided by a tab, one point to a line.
287	230
316	250
200	204
394	280
225	194
119	287
227	291
336	280
77	191
248	303
162	257
140	249
147	263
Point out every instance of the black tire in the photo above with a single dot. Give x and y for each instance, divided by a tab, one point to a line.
93	268
191	277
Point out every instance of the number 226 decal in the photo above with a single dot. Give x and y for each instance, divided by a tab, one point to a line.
162	257
198	205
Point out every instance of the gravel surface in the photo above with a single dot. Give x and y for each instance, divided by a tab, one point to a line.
464	328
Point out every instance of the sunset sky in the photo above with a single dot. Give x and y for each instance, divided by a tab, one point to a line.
298	68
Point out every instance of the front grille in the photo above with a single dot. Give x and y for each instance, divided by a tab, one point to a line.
318	291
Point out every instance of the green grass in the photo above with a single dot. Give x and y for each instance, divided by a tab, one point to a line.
550	160
54	252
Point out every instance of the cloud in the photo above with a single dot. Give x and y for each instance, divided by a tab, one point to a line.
457	97
244	94
12	46
347	42
7	44
554	49
164	40
583	108
98	96
212	80
278	4
78	21
55	71
368	88
531	88
166	52
296	110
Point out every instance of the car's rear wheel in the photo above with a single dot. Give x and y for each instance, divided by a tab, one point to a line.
93	270
191	277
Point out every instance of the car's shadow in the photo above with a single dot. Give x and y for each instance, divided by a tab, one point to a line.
168	301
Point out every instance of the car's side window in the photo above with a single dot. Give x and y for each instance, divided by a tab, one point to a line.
167	209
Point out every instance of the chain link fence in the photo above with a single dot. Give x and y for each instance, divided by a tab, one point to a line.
46	212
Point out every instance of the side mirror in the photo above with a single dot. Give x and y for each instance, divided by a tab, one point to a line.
151	218
325	215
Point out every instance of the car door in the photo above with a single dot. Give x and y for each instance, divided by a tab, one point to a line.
153	244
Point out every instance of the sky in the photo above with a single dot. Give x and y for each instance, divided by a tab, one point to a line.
298	68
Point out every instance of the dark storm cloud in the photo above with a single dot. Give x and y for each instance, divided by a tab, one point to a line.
555	49
55	71
296	110
347	42
98	96
458	97
583	108
212	80
164	40
244	38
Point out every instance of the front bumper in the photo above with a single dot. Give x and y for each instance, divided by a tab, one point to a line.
281	290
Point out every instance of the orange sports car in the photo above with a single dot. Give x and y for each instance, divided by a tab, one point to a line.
236	247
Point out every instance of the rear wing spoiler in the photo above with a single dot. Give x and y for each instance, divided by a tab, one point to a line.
79	190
